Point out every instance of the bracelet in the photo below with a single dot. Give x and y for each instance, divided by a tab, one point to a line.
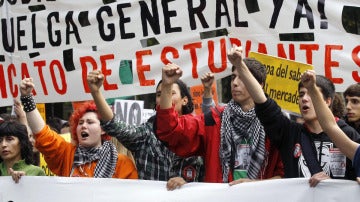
28	102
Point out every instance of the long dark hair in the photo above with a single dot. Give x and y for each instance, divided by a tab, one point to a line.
16	129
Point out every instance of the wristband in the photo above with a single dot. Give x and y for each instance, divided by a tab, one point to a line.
28	102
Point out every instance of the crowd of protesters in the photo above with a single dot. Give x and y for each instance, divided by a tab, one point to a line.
248	139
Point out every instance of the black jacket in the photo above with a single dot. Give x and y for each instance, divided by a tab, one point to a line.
287	136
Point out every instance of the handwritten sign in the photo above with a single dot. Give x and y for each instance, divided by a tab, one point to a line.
282	80
129	111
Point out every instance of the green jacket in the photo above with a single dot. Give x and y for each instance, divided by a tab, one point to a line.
30	170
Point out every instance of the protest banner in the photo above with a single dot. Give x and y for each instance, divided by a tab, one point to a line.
282	80
58	42
59	189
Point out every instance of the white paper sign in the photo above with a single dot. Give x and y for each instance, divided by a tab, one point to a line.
129	111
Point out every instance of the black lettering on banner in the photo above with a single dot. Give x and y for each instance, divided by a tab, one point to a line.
20	33
4	28
150	13
350	18
167	15
33	32
108	1
277	7
152	19
68	60
321	8
236	13
111	27
12	2
124	20
213	33
308	14
70	23
197	11
54	41
37	8
252	6
84	18
34	54
296	37
219	14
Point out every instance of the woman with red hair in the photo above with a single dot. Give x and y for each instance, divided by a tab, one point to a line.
93	155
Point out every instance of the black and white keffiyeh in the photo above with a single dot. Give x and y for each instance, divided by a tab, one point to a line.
106	155
238	125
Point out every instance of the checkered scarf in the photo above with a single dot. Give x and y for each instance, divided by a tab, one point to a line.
106	154
238	125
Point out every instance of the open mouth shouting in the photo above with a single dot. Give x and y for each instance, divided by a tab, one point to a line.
84	135
305	108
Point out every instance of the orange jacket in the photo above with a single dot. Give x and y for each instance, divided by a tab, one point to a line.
59	156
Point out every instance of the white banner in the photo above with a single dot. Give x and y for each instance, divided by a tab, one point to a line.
59	42
59	189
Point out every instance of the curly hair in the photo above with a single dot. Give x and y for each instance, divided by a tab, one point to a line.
76	116
16	129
